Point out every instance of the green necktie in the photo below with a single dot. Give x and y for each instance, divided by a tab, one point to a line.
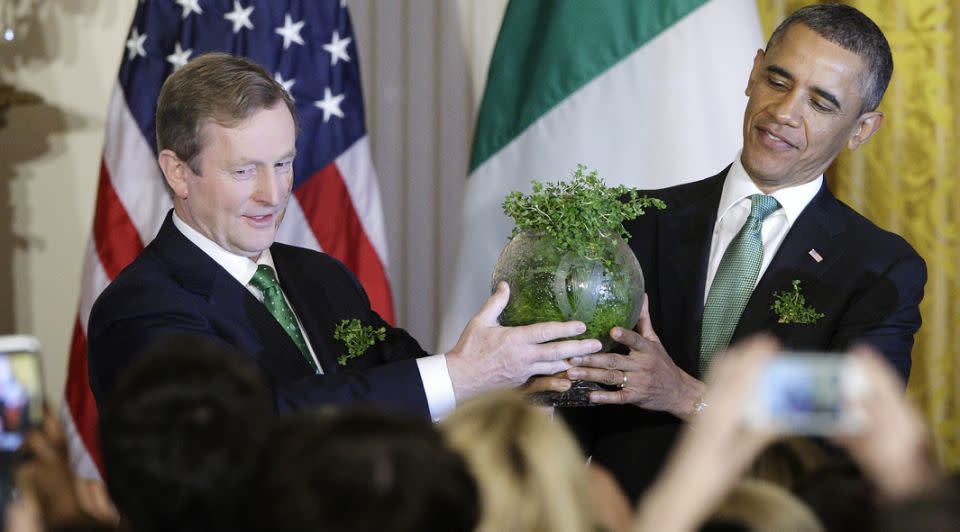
733	283
265	281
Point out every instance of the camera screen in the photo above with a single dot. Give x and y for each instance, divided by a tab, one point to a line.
21	398
799	390
807	393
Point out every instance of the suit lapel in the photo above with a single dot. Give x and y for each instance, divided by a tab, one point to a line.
305	293
272	346
817	228
684	248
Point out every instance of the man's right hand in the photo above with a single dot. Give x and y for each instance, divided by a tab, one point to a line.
489	356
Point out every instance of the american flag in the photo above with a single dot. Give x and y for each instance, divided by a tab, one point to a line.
309	47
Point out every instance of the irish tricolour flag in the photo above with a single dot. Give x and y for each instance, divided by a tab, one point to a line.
647	92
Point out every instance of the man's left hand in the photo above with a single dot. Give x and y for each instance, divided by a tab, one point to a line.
647	376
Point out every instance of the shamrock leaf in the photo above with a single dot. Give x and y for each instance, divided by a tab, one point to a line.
357	337
791	307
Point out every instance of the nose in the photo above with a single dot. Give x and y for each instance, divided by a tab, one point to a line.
271	187
787	109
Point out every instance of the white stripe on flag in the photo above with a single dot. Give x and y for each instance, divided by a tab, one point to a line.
94	282
80	459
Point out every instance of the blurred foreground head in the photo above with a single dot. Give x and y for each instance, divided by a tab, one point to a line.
531	472
361	470
935	509
760	506
180	436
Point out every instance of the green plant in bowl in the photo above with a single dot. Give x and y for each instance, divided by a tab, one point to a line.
568	259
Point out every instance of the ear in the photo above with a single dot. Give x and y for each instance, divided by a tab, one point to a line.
867	125
175	171
755	71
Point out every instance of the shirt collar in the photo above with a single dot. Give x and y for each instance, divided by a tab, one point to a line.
738	186
239	267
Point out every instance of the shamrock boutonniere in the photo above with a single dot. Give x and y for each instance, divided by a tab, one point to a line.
791	307
357	337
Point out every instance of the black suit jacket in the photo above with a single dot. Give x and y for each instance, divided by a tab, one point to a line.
173	287
868	285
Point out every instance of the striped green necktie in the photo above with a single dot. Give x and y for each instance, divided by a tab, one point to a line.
265	281
733	283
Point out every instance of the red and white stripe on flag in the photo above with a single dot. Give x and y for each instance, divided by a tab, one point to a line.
335	206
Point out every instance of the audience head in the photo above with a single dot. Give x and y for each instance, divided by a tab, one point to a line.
180	436
788	461
361	470
761	506
935	509
840	496
531	473
849	28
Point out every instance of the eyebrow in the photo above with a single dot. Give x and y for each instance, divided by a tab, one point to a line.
825	94
289	155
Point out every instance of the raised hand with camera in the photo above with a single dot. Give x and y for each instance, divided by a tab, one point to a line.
715	448
50	494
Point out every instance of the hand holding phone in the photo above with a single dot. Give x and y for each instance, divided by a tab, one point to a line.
21	403
808	393
21	389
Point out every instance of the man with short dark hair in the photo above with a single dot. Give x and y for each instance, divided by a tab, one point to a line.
226	139
362	470
181	435
761	246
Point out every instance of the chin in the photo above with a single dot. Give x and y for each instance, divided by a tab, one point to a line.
764	166
252	247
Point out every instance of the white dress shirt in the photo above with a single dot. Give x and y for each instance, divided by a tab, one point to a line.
433	369
734	209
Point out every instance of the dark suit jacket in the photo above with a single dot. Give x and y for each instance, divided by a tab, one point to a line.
173	287
868	286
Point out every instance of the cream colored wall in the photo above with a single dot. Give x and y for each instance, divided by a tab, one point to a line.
480	24
66	52
424	64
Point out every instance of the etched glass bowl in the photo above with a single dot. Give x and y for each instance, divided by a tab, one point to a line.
549	284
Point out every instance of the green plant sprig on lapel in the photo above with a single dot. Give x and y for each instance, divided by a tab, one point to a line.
357	337
580	214
791	307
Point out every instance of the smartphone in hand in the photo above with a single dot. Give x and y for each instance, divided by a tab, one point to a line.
21	389
21	404
807	393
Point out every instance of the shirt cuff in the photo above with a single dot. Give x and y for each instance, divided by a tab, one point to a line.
437	385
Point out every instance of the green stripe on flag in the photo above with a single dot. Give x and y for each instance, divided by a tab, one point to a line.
536	63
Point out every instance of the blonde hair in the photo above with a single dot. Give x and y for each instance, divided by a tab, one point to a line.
762	506
788	461
531	473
